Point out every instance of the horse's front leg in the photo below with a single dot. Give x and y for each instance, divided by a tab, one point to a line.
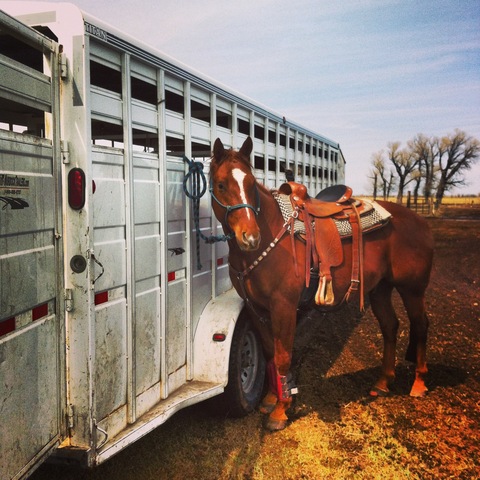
279	397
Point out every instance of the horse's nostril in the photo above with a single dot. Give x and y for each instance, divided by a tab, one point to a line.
251	241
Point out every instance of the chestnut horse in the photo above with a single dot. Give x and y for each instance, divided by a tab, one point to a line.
399	256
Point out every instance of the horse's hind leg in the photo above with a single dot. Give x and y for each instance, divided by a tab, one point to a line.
417	347
381	302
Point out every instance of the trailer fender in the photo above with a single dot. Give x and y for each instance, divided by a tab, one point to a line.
211	352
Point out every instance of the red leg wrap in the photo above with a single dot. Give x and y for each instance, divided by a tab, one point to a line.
282	385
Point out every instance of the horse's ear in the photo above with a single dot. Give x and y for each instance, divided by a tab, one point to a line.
218	150
247	148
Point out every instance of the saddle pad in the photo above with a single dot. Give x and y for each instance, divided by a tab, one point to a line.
370	220
286	208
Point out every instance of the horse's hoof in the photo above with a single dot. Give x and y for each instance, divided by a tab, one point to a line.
378	392
419	393
274	425
267	408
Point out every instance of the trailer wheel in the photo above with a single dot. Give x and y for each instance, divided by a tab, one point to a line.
246	373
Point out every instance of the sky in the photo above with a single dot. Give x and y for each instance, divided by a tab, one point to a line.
360	72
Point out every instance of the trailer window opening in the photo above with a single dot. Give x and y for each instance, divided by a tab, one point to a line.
175	146
272	165
144	91
201	151
144	141
224	120
291	143
21	52
283	140
243	126
259	162
200	111
18	118
105	77
259	132
174	102
272	136
106	134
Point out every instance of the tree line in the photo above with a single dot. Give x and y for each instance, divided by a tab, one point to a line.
428	166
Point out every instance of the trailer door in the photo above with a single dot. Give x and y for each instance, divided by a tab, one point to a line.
31	349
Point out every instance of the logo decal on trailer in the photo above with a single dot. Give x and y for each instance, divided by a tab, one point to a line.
13	185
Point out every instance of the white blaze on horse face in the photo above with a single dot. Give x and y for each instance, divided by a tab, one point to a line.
239	176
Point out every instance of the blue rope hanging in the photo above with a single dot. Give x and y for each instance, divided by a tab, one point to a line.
198	185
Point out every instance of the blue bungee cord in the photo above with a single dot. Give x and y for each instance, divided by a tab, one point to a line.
198	188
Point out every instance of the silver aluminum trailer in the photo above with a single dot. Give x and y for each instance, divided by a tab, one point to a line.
107	325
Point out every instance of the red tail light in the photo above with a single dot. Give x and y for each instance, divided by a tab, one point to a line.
76	188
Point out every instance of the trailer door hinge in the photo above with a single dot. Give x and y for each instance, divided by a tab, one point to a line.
63	65
65	152
68	299
70	416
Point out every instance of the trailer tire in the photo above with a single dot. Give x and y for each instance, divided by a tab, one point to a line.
246	372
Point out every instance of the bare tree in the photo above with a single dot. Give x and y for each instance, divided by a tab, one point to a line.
404	162
390	184
382	177
426	151
456	153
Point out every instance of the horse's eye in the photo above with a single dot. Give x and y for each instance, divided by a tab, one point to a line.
221	187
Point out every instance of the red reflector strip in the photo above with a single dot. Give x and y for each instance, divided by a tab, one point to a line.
40	311
101	298
171	276
220	261
7	326
219	337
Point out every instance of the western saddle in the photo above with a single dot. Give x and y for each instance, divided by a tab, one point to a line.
321	218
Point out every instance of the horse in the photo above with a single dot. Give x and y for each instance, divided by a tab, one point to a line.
397	256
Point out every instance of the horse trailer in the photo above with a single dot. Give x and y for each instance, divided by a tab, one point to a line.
112	316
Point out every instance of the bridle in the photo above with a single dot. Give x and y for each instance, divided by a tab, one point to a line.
230	208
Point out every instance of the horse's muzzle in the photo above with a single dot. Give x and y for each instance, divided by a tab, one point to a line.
249	242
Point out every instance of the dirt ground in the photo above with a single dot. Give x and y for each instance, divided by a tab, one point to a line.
336	431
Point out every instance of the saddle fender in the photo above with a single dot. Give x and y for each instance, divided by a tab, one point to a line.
211	357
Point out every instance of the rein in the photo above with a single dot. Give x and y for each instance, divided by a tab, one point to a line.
199	187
